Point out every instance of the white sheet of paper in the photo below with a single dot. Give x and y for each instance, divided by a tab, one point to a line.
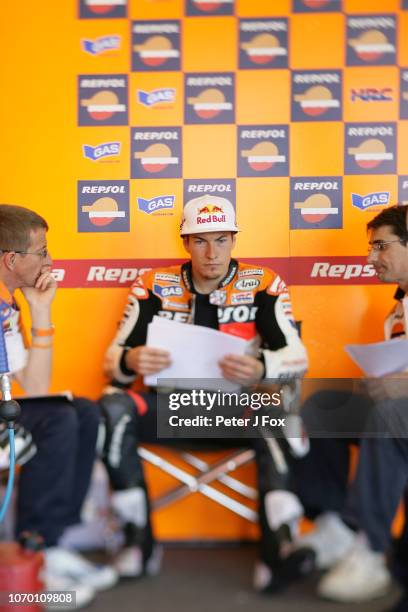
195	351
380	358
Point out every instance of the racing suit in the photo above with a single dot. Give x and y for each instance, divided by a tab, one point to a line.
251	302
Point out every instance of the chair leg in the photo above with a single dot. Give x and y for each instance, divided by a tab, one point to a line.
192	484
228	481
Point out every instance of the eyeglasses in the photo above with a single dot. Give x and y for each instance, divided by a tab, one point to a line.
382	245
43	253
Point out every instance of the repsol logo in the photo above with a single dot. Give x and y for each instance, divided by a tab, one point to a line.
254	134
208	188
102	83
346	271
316	186
237	314
223	81
311	79
370	131
362	23
154	28
263	26
103	189
114	275
180	317
155	136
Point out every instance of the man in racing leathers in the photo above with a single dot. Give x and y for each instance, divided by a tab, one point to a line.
215	291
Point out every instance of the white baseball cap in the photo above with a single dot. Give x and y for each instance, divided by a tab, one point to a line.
208	213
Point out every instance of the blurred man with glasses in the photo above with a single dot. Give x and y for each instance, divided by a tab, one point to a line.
55	479
353	521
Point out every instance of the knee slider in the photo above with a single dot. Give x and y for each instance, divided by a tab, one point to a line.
282	508
114	407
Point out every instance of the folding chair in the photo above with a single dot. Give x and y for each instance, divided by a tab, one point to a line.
206	474
220	470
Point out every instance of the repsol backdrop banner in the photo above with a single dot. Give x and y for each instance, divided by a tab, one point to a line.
294	110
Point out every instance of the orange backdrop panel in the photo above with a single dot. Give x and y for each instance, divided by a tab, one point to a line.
42	159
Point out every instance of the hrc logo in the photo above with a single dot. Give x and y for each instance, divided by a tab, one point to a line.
371	94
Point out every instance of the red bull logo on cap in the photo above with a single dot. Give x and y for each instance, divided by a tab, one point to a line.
210	209
210	214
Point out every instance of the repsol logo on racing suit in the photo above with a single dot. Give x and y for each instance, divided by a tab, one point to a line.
237	314
180	317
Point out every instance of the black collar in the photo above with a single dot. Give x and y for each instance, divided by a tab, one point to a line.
186	273
399	294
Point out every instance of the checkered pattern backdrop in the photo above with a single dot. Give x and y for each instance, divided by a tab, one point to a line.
117	112
296	112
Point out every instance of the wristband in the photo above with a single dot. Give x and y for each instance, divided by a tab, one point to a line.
41	346
43	332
